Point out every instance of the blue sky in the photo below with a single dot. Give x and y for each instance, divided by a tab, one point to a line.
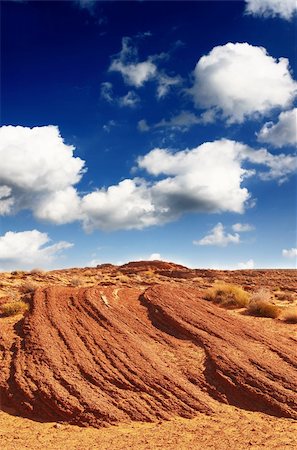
146	130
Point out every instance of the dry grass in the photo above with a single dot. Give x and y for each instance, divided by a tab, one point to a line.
290	315
75	281
228	295
28	287
13	308
261	305
262	308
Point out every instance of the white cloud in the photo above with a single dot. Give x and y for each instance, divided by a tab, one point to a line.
164	84
272	8
38	172
291	253
282	133
241	81
155	257
127	205
242	227
219	237
130	99
27	249
182	121
134	73
278	167
36	166
6	201
250	264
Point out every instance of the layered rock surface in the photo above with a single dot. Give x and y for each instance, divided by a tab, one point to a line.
106	355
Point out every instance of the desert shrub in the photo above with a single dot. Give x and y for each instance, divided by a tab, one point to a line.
13	308
261	294
290	315
28	287
263	308
75	281
228	295
261	305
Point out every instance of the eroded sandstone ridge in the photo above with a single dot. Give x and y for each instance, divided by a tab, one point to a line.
109	354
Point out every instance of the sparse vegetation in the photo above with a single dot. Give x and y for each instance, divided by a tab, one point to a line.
228	295
13	308
28	287
261	305
75	281
290	315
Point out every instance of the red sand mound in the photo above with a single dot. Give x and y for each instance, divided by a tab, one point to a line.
108	355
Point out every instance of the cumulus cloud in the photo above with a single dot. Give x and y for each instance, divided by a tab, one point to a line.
126	63
250	264
272	8
219	237
38	172
290	253
136	73
242	227
127	205
36	167
27	249
282	133
240	81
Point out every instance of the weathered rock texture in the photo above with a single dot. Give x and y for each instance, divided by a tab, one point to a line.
105	355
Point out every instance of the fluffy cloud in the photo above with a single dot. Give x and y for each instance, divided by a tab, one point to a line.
127	205
37	167
136	73
242	227
39	172
219	237
250	264
282	133
27	249
272	8
291	253
241	81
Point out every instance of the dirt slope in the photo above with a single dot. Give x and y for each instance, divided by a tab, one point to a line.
110	355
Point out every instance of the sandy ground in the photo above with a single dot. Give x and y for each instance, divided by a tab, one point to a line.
229	428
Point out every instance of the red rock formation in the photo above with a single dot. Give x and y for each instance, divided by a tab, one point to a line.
105	355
